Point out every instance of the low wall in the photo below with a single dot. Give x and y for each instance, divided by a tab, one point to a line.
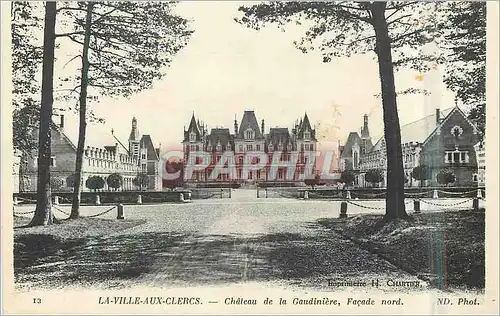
124	197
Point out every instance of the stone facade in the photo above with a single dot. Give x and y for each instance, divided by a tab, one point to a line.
97	161
248	144
444	140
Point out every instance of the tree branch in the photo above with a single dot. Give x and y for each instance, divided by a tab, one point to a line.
68	34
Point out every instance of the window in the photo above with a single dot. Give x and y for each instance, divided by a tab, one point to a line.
192	137
257	147
249	134
456	157
143	167
301	147
249	147
143	156
474	177
307	135
311	147
271	148
241	147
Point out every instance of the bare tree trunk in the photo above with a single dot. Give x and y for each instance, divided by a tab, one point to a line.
75	207
43	212
395	206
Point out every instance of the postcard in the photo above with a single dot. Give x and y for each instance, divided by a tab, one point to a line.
225	157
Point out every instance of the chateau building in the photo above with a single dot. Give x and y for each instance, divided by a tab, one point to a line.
445	140
250	152
139	157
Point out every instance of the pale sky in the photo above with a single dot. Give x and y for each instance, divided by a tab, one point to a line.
227	68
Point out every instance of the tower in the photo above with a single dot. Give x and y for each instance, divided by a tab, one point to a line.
366	140
134	140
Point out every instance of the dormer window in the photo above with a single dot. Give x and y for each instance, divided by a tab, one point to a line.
307	135
280	146
209	147
249	134
218	147
271	148
289	146
192	137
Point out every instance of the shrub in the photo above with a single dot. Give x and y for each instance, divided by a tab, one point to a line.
347	177
141	180
445	177
115	181
312	181
70	181
374	176
421	173
94	183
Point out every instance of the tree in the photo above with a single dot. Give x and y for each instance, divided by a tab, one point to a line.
465	34
141	180
115	181
26	62
125	46
421	173
445	177
343	28
43	212
75	206
374	176
347	177
94	183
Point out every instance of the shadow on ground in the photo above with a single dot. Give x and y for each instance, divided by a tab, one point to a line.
154	259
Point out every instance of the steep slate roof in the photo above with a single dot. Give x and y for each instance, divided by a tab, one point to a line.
147	143
277	135
219	134
419	130
249	121
351	140
193	126
306	125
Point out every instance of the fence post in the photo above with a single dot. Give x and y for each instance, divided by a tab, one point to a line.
266	192
189	195
120	211
348	195
479	194
221	192
343	209
181	197
475	204
97	200
230	190
56	200
258	192
139	199
306	195
435	194
416	206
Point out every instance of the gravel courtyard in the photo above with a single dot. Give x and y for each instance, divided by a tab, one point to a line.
216	241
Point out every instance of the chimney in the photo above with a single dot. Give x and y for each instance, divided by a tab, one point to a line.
262	127
61	124
438	117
